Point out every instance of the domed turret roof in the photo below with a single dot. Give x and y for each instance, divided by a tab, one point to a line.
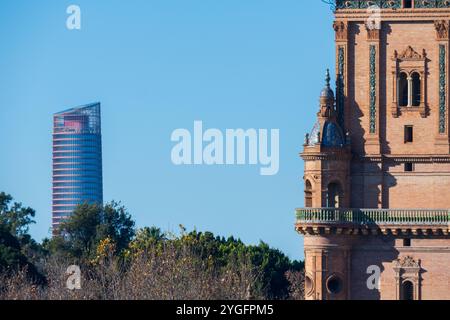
332	135
314	137
327	93
327	131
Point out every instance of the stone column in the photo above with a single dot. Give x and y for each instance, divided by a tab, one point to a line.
410	91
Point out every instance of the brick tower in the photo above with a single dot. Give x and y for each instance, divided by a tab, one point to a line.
377	162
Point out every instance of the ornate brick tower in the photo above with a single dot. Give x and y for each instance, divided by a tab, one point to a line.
377	162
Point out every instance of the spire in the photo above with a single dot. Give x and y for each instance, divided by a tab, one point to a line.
327	79
327	98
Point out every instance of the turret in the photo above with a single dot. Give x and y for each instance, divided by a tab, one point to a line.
327	132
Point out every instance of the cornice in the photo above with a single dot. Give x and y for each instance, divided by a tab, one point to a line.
306	228
394	15
325	156
417	158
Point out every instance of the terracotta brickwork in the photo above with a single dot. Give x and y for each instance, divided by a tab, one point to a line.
381	142
434	275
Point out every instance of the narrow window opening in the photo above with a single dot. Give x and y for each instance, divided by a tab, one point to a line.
334	195
403	90
407	3
416	90
409	167
308	194
409	135
407	242
407	290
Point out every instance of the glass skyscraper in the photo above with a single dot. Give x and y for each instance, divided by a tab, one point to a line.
77	160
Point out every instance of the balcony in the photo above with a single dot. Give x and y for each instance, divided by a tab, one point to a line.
374	221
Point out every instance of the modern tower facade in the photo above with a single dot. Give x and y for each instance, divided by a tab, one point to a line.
77	160
377	163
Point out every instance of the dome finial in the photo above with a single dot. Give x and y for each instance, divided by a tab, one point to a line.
327	93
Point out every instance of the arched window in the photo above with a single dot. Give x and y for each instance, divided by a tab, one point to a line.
308	194
403	90
415	89
407	290
334	195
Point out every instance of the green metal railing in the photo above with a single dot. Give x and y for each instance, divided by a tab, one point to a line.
374	216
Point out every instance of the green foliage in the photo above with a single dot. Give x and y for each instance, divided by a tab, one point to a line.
273	265
146	237
17	249
269	263
95	232
79	232
11	256
89	224
16	218
116	223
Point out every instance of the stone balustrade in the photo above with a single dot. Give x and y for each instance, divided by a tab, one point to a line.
416	221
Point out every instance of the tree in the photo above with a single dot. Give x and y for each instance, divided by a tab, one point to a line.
89	224
17	247
16	218
11	256
116	223
273	264
78	234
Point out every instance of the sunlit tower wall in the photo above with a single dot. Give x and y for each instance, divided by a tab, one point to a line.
77	160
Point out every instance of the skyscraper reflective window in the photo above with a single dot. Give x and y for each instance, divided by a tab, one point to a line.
77	160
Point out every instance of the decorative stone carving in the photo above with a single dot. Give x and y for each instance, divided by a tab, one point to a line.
364	4
442	89
309	285
409	61
341	30
407	269
306	139
410	54
442	29
406	262
373	88
373	34
429	4
390	4
340	87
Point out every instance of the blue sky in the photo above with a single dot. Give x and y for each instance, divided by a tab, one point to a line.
156	66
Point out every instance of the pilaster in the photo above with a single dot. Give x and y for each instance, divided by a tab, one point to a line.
373	136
